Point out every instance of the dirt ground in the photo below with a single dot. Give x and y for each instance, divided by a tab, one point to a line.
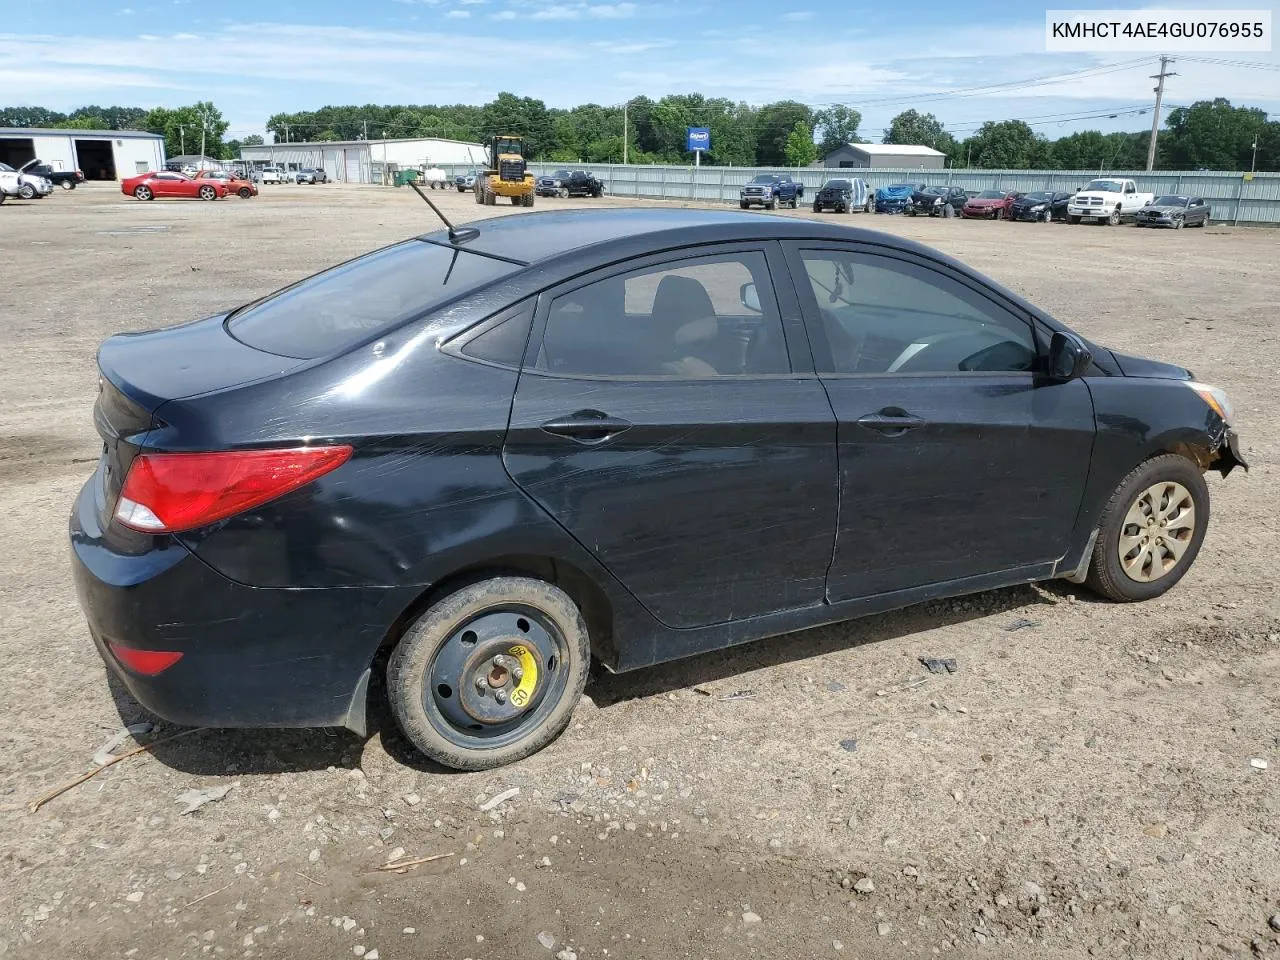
1081	786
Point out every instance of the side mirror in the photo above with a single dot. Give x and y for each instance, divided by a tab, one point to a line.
1069	358
750	297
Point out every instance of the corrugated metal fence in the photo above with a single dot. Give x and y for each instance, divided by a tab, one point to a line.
1235	197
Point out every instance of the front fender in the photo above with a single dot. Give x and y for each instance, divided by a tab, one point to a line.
1137	418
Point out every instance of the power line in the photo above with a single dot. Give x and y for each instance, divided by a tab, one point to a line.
1246	64
1008	85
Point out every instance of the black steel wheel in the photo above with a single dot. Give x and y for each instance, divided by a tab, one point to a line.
491	673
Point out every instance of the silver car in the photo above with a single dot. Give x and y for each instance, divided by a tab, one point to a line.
27	186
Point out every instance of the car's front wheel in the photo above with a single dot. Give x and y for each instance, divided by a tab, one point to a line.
27	192
491	673
245	193
208	193
1151	530
143	193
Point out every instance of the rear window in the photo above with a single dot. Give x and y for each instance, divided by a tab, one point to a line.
334	310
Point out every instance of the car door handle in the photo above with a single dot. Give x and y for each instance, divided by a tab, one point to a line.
586	426
891	422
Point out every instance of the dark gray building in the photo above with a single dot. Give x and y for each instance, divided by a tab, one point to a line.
894	156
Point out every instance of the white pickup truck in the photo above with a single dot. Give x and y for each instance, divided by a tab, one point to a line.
273	175
1107	200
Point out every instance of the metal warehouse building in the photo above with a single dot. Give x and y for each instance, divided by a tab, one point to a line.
364	161
865	156
99	154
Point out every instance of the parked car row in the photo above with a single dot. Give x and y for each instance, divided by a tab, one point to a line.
23	185
205	185
1109	200
35	179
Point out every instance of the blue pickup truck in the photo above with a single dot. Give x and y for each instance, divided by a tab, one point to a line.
770	190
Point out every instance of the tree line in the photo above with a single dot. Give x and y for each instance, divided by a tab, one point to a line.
1210	134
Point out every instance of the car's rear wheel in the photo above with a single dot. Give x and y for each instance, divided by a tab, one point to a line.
68	185
143	193
491	673
1151	530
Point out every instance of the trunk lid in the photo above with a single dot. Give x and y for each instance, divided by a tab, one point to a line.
186	361
142	371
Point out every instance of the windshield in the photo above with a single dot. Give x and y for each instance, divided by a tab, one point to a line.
1106	186
838	185
934	190
1038	195
5	168
1171	201
764	178
561	174
338	308
990	195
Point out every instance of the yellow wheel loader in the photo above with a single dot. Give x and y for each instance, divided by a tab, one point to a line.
507	174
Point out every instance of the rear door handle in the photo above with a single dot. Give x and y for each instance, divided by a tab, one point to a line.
587	426
891	422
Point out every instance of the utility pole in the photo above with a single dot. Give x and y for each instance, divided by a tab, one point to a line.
366	128
204	126
182	139
626	127
1155	120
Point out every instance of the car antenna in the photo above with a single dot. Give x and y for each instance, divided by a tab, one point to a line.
456	234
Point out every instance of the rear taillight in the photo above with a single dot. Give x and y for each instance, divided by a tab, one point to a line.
169	492
149	663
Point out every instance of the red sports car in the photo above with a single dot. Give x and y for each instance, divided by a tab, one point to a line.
989	205
167	183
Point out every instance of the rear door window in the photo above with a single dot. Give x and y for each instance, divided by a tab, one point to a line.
693	318
337	309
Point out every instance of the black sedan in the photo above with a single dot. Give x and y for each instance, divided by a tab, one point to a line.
937	202
495	452
1041	205
1174	212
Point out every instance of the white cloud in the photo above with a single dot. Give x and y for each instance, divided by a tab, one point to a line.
796	16
457	14
505	15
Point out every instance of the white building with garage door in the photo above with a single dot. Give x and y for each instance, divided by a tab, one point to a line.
363	161
99	154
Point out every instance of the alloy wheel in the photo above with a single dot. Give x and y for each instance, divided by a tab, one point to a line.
1157	529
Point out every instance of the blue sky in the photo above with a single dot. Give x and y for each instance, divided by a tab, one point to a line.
255	59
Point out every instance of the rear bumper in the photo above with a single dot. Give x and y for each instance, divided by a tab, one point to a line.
251	657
